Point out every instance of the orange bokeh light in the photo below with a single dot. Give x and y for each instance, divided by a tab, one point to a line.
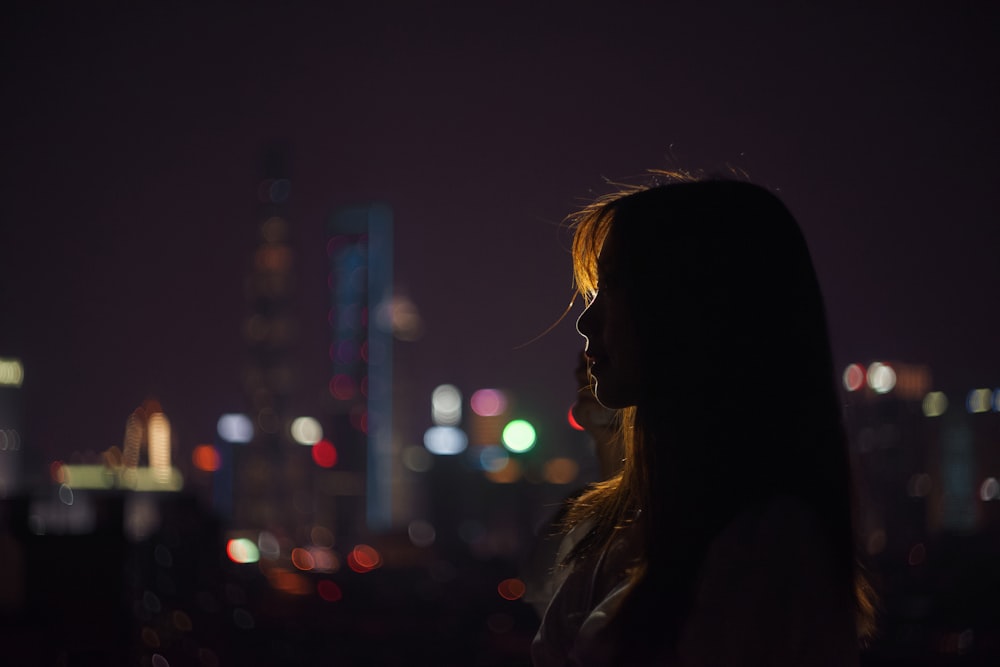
302	559
363	558
511	589
206	457
288	581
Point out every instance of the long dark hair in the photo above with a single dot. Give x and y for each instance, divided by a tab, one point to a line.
738	402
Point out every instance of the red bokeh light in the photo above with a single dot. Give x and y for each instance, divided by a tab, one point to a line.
342	387
511	589
363	558
572	420
324	454
329	591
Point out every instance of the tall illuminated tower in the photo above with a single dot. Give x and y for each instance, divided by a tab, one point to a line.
359	251
267	471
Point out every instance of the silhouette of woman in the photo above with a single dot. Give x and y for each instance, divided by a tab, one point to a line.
726	538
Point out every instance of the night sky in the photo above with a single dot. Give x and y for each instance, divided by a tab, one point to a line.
133	142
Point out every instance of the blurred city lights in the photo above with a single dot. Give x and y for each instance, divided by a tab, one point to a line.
518	436
65	494
979	400
306	431
572	419
854	377
509	474
881	377
11	372
10	440
324	559
488	402
242	550
302	559
445	440
206	458
329	591
235	428
342	387
324	454
990	489
511	589
935	404
321	536
421	533
364	558
493	458
417	459
268	545
561	470
446	405
158	435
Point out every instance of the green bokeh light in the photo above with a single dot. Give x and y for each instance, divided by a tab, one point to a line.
518	436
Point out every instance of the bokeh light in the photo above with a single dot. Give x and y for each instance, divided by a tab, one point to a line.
493	458
446	405
302	559
445	440
206	458
979	401
518	436
854	377
881	377
324	454
242	550
421	533
417	458
488	402
571	418
990	489
364	558
329	591
11	373
235	428
268	545
561	470
510	473
342	387
511	589
324	559
306	431
935	404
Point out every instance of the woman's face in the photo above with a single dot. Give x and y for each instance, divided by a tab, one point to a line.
608	326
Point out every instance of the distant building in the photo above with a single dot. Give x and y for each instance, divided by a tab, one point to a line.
360	255
11	377
926	461
271	485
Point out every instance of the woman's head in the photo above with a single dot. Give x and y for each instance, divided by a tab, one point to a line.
709	281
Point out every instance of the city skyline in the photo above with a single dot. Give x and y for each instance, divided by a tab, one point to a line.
134	158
